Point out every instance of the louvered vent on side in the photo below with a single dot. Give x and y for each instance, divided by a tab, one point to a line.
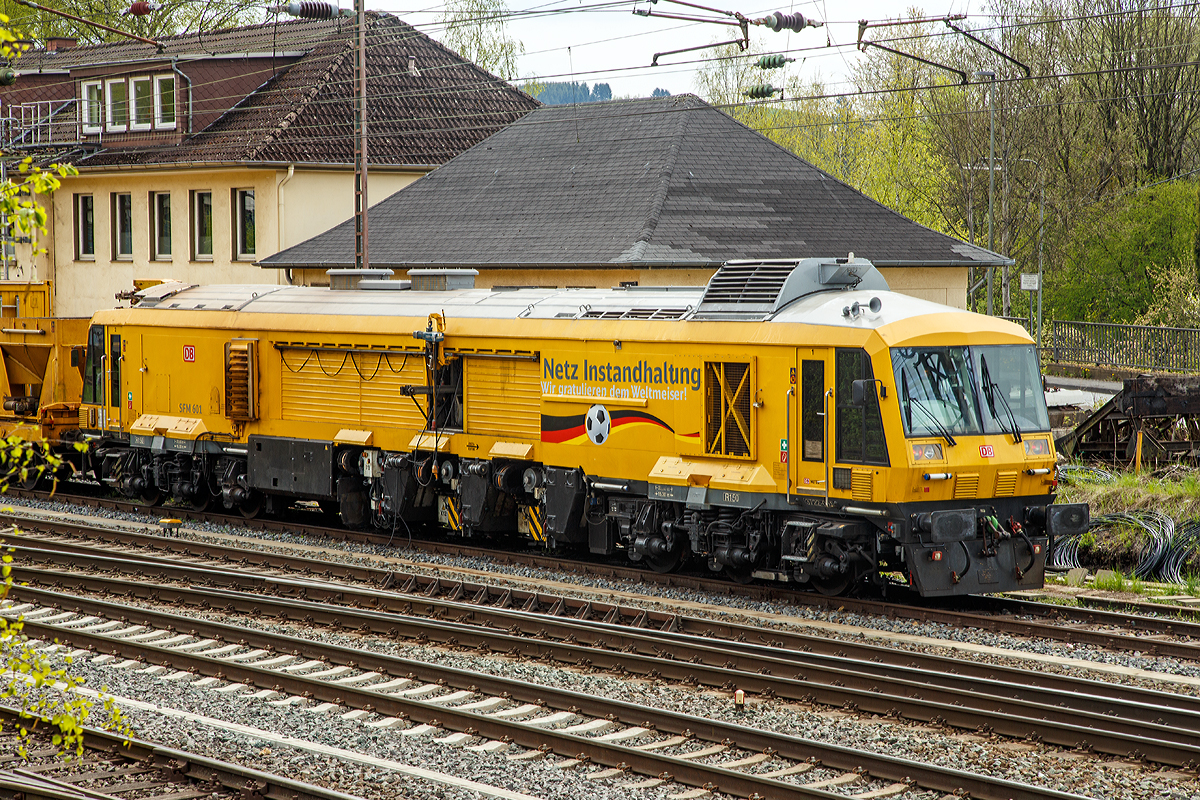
241	394
966	486
747	283
862	485
1006	484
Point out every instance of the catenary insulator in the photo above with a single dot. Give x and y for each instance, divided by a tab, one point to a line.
140	8
797	22
760	91
772	62
310	9
7	76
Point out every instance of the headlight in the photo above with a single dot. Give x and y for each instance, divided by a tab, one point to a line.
927	451
1037	447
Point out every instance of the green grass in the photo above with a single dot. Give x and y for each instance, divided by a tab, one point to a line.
1110	583
1177	494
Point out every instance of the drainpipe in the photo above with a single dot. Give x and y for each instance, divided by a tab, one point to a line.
175	68
280	205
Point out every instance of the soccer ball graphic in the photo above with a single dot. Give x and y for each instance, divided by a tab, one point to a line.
597	424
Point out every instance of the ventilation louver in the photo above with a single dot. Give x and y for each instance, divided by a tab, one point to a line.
241	392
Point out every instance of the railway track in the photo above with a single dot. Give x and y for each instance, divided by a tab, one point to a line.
488	709
116	767
1151	635
1066	711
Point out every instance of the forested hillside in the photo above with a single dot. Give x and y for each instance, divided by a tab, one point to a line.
1106	123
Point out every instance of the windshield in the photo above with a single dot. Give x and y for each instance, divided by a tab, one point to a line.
946	386
1015	378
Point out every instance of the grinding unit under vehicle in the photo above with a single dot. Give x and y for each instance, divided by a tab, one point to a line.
793	420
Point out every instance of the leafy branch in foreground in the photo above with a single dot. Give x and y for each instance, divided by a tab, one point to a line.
29	681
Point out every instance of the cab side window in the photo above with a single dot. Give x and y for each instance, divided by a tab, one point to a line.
860	437
93	371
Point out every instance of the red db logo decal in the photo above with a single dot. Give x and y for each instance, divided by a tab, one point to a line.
189	353
986	451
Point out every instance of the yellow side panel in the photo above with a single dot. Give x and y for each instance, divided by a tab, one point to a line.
503	397
354	389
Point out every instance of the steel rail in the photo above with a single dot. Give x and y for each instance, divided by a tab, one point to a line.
880	694
764	593
188	766
431	587
746	738
871	668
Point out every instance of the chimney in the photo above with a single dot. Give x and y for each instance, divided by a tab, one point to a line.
56	43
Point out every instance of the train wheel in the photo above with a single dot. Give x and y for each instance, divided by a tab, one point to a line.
252	507
667	562
741	575
151	497
199	502
831	587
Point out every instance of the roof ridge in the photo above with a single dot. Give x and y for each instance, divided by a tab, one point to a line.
659	199
299	107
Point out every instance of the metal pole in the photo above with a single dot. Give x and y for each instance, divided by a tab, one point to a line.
1041	232
361	256
991	186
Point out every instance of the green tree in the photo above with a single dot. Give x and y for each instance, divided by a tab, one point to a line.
477	30
172	17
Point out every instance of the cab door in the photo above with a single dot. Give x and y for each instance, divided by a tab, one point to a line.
809	441
112	366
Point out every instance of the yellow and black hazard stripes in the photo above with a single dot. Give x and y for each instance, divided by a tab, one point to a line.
534	518
451	513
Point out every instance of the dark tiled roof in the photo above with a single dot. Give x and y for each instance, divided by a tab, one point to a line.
305	113
286	35
641	182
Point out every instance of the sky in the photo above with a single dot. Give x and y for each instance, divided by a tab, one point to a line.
612	45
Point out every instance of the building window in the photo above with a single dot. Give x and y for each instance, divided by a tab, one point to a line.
93	107
160	239
118	105
143	104
85	228
202	226
122	226
164	101
243	213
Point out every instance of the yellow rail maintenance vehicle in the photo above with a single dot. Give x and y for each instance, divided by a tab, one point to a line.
791	421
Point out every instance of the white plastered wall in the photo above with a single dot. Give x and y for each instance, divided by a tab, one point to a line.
312	202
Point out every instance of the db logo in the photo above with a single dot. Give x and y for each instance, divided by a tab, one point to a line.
986	451
189	353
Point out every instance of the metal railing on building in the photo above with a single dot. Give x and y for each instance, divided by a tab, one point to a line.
44	123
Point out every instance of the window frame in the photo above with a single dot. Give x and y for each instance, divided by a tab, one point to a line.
86	106
844	409
115	222
109	106
240	253
160	122
156	219
77	209
194	214
131	99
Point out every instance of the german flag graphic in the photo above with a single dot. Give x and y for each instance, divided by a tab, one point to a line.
575	429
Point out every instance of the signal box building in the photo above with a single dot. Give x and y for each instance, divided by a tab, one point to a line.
659	191
204	155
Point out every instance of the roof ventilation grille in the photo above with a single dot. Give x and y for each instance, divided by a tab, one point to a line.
342	279
442	280
759	289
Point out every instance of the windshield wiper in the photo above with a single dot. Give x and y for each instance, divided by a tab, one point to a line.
941	429
990	391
